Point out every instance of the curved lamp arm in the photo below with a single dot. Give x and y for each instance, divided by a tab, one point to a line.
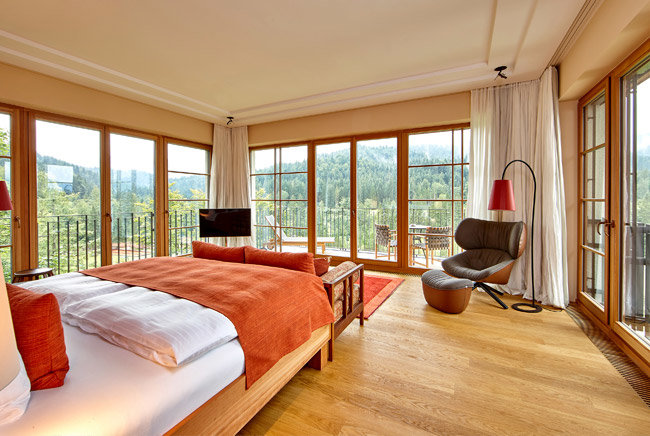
536	308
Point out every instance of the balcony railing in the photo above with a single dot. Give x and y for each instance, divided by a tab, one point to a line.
69	242
335	222
73	242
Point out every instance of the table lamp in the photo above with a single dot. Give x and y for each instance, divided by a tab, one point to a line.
502	197
14	383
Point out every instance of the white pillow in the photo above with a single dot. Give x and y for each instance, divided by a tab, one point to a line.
156	325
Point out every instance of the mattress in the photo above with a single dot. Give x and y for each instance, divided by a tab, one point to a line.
112	391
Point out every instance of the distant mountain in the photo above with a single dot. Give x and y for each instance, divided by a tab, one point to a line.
75	179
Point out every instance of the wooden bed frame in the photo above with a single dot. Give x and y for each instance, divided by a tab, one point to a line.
351	310
230	409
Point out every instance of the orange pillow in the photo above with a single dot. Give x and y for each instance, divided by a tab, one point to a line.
296	261
322	265
39	336
205	250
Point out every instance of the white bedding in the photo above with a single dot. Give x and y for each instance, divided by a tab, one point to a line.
111	391
157	326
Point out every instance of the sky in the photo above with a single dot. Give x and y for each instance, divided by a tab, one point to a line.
80	146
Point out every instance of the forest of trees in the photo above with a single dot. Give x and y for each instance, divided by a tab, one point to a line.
69	210
376	192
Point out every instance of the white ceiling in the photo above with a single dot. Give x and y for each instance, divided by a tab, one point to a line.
263	60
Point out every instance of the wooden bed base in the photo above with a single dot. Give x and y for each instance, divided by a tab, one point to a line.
229	410
351	309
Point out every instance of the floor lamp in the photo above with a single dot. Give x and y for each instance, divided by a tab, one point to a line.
502	197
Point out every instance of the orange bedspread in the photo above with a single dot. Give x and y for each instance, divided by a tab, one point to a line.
274	310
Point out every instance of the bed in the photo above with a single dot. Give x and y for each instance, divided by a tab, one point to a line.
207	395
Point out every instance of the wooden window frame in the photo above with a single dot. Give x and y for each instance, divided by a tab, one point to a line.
636	348
277	177
25	237
640	348
452	165
162	212
400	265
602	313
107	242
19	197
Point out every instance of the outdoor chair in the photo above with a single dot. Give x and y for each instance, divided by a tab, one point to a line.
430	242
282	239
384	237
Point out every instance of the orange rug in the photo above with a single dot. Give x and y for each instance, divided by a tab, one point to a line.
376	290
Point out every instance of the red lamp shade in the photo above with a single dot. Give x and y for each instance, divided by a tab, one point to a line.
502	196
5	198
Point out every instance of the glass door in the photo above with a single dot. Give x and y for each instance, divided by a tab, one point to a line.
438	168
333	211
132	198
188	178
279	180
634	255
595	224
6	216
376	199
68	196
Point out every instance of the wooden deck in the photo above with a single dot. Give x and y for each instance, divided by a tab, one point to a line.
414	370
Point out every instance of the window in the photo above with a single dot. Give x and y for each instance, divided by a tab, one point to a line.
376	211
594	167
333	198
188	178
132	198
279	194
6	216
438	168
68	196
635	200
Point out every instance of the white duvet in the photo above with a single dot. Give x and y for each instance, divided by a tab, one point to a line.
158	326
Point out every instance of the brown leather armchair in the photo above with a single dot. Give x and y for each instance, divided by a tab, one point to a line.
491	249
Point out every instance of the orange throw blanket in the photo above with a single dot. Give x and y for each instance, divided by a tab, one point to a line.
274	310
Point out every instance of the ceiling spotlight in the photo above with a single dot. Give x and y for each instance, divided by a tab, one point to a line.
500	72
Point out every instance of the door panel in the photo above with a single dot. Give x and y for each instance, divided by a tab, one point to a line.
132	198
634	261
68	196
594	202
6	216
333	211
376	202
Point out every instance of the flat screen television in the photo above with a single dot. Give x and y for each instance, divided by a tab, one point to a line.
224	222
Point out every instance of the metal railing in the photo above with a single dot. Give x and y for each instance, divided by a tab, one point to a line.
73	242
183	229
335	222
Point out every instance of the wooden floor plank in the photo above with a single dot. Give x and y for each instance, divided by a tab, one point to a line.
414	370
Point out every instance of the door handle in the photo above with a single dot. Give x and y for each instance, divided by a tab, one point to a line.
608	225
109	216
17	219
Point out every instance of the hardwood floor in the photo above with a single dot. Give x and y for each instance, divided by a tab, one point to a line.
414	370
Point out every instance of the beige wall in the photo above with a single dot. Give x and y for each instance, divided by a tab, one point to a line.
424	112
617	28
37	91
569	138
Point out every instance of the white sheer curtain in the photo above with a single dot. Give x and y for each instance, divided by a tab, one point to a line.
520	121
230	174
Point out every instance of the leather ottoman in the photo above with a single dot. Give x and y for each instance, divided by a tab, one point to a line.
446	293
